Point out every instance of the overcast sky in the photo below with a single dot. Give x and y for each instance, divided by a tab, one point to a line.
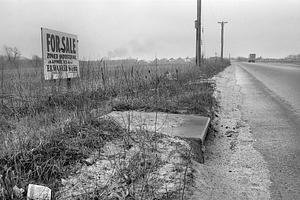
148	28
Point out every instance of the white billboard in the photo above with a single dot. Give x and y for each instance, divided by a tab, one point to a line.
60	54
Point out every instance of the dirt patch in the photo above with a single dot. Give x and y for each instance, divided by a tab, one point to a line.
150	166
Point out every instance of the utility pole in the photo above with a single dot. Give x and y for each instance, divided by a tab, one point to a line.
222	37
198	34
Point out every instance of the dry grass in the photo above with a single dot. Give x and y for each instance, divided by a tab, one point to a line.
47	131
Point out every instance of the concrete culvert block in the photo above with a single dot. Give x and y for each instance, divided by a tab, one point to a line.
38	192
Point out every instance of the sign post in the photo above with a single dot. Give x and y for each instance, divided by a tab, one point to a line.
60	55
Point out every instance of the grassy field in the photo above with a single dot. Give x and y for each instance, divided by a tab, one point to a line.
47	129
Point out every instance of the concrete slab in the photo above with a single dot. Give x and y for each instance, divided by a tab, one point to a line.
188	126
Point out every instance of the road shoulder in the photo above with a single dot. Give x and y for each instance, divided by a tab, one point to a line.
233	168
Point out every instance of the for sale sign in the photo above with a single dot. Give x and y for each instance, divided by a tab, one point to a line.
60	54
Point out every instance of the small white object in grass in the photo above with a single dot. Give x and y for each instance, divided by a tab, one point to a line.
90	161
64	181
18	192
38	192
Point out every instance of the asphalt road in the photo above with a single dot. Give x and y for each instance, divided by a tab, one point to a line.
271	106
